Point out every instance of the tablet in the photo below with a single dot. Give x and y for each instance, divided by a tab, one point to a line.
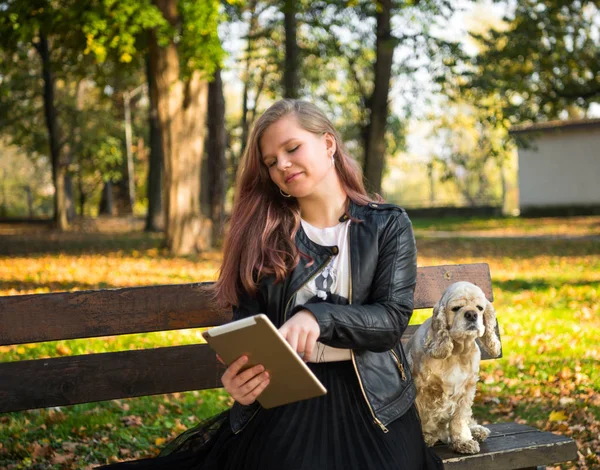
290	378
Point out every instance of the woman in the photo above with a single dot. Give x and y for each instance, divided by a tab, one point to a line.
335	271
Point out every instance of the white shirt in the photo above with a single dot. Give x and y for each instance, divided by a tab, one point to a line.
329	284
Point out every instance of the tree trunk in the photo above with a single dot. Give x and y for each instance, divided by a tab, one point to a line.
501	165
217	165
182	116
80	105
290	73
82	197
122	203
59	167
29	200
374	136
121	193
253	25
155	215
107	200
70	197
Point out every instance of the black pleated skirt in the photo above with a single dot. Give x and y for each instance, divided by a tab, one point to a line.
332	432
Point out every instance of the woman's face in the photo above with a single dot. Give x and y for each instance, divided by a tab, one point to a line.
299	162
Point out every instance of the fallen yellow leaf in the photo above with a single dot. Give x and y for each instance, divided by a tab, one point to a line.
63	350
557	416
159	441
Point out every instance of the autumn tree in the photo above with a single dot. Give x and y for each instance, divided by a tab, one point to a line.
184	51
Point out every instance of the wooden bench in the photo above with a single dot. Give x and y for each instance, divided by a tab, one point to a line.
87	378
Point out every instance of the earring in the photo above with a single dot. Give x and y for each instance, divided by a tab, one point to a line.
284	194
332	161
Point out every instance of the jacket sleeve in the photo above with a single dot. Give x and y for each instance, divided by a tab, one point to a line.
378	324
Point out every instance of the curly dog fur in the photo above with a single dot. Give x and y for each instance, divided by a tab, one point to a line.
444	360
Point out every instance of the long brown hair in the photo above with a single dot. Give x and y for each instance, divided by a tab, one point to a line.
263	223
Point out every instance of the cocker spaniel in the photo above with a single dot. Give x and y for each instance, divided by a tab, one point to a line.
444	360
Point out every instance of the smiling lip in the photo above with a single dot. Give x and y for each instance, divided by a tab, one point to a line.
290	178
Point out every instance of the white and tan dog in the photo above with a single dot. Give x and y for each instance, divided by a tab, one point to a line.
444	360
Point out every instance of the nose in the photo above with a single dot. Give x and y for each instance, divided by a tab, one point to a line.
282	163
471	315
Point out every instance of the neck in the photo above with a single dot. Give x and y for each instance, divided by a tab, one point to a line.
323	208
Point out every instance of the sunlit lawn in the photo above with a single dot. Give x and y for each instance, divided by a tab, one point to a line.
547	296
511	226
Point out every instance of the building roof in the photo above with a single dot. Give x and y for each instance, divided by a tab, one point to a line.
555	125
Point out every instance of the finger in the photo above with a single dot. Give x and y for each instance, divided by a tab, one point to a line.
311	342
249	386
301	347
292	339
235	385
234	368
243	377
257	391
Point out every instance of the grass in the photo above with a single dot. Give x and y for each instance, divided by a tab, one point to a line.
511	226
547	297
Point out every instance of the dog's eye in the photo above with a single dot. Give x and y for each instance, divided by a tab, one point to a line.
456	309
480	308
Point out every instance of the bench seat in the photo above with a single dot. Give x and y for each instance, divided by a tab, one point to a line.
512	446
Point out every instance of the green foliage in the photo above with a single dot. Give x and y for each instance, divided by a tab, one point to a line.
24	181
123	26
199	44
543	60
89	124
118	25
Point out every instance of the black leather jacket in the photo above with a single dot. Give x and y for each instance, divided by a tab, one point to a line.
383	266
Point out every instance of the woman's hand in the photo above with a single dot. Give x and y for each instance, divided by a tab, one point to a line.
244	386
302	332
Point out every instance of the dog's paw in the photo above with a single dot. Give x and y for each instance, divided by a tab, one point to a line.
480	433
430	439
465	447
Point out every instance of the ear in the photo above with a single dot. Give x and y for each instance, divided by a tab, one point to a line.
438	343
330	143
490	340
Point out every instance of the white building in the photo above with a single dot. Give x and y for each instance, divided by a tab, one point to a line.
559	167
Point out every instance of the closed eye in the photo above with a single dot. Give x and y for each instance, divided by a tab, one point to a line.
274	162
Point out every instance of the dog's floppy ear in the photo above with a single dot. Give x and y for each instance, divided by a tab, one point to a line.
490	340
438	343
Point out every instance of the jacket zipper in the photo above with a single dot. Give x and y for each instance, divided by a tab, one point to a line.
375	419
399	364
362	388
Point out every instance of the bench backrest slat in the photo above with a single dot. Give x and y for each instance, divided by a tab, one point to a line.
70	380
67	315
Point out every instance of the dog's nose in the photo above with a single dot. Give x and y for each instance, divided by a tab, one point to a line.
471	315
